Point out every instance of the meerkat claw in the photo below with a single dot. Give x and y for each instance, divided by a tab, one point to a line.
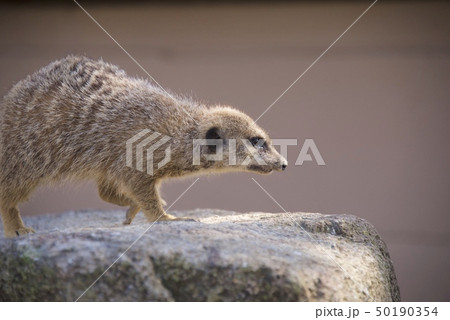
24	231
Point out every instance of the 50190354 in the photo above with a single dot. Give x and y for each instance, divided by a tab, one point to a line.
406	311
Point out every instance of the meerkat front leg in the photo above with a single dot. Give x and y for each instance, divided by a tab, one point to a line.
152	204
134	209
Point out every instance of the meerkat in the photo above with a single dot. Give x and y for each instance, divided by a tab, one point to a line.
73	118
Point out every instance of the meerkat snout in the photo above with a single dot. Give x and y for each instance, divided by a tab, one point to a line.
281	164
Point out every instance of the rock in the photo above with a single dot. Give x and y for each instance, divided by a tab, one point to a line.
224	256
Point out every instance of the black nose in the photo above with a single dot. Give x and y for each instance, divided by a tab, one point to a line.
283	167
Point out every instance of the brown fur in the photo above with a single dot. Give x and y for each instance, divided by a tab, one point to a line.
72	118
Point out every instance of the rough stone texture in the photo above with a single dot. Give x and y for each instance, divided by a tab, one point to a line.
224	256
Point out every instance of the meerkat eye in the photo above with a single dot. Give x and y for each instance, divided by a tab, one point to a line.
258	142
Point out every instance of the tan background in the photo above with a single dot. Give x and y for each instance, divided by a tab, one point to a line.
377	106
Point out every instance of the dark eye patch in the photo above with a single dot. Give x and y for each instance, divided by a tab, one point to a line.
258	142
213	134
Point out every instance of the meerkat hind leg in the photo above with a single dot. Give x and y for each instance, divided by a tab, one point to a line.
109	193
131	213
13	223
148	199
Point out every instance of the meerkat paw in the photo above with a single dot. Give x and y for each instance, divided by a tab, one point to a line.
24	230
186	219
131	213
19	232
169	217
127	221
166	217
163	202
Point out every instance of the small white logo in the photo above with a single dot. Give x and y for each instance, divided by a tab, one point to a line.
147	145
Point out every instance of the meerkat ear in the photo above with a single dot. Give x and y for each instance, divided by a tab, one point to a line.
213	133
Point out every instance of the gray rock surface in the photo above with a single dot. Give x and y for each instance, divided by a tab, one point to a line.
224	256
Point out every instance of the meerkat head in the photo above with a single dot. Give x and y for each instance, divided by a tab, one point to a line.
234	142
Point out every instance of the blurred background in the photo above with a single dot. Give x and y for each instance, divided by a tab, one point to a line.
377	105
